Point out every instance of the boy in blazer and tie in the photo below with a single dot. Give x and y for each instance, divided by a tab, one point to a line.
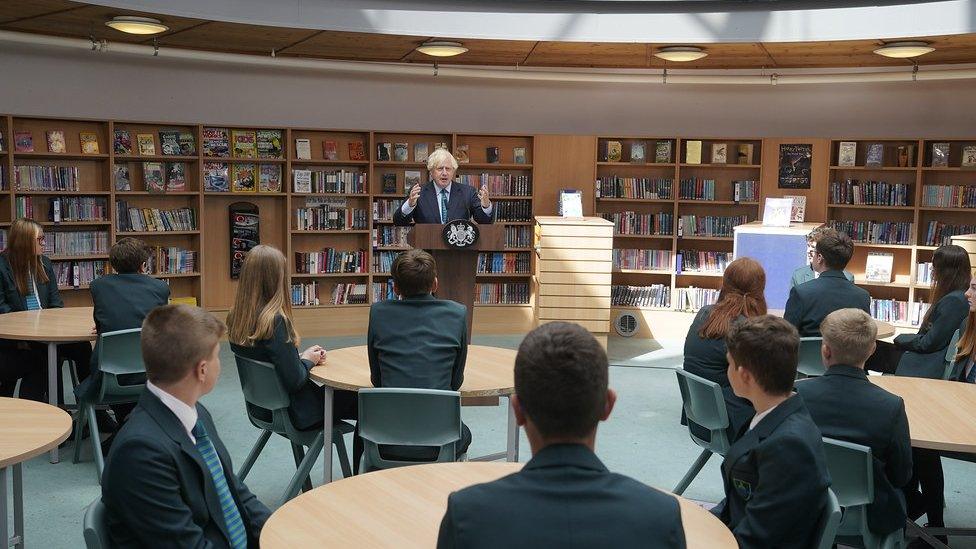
775	474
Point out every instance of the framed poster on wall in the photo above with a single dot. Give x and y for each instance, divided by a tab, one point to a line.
794	165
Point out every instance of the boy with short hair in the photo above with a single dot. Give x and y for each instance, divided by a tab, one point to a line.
564	496
775	474
169	481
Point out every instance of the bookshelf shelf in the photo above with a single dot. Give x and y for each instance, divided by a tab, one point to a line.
643	236
504	275
60	156
487	166
242	195
947	169
875	168
120	158
328	275
77	257
245	160
74	223
638	200
503	222
320	162
502	304
329	231
862	282
869	207
390	164
332	306
175	275
717	202
155	233
891	246
938	209
643	271
638	164
719	238
69	288
723	166
333	195
170	193
391	248
706	274
62	193
632	308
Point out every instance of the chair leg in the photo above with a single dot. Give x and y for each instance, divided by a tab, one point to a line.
80	419
693	472
96	443
303	469
299	452
340	446
253	455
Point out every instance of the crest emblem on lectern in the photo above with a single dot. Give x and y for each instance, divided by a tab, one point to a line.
460	233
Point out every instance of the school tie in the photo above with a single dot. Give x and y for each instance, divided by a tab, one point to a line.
443	205
232	517
33	304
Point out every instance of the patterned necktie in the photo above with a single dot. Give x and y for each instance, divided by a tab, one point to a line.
443	205
232	517
33	303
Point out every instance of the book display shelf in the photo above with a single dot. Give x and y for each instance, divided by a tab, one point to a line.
674	202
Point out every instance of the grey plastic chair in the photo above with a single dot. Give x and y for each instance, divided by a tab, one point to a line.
395	417
704	405
96	526
950	357
810	362
827	525
267	401
123	380
852	480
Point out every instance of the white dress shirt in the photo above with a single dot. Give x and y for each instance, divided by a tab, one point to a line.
184	412
407	209
759	417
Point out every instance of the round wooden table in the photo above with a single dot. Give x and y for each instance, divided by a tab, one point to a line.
489	371
403	507
939	412
885	329
50	326
27	429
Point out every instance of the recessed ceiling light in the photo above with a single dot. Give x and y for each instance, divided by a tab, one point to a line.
439	48
904	49
680	54
137	25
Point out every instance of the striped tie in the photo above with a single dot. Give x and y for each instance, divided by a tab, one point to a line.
33	304
443	205
232	517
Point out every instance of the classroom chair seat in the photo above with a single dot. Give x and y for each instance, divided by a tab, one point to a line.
810	362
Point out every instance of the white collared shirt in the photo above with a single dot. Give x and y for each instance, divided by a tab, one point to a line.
184	412
759	417
407	209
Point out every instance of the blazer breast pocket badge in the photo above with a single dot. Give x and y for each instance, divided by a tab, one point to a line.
743	488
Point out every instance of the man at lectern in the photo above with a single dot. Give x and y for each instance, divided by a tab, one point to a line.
442	199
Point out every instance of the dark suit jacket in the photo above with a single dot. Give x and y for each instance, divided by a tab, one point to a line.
11	299
958	372
418	342
122	301
846	406
158	491
307	398
925	351
811	301
776	480
563	497
463	203
706	358
806	274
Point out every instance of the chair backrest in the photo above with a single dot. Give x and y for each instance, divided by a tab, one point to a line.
950	357
263	389
409	417
95	526
851	470
704	405
829	520
120	354
810	360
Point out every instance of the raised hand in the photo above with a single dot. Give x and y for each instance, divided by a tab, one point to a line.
483	195
414	195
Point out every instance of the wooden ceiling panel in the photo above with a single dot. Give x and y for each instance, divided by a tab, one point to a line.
90	20
10	11
483	52
588	54
355	45
233	37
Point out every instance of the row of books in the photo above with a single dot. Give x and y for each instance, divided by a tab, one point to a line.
304	294
939	234
634	187
923	273
65	208
247	144
410	178
504	262
349	294
643	260
692	298
242	178
390	236
875	155
383	208
56	143
383	291
171	143
636	223
696	189
400	152
513	210
383	260
518	236
330	260
612	151
60	243
700	261
869	193
330	150
892	310
709	225
153	219
654	295
329	181
171	260
327	217
157	177
46	178
504	184
507	293
745	191
876	232
75	274
949	196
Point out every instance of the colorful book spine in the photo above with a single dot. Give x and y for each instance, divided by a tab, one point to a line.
710	225
46	178
637	223
693	299
171	260
697	189
504	262
62	243
330	218
499	184
305	294
501	293
949	196
876	232
330	260
701	261
654	295
513	210
869	193
635	187
642	260
940	234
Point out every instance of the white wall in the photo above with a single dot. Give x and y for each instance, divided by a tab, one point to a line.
69	83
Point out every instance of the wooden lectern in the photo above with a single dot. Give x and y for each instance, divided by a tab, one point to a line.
456	268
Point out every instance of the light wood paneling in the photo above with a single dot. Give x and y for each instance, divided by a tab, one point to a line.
563	161
552	266
574	278
817	193
595	326
563	254
583	290
573	301
577	242
557	313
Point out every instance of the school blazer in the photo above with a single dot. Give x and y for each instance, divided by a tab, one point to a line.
811	301
806	274
462	204
925	352
11	299
563	497
417	342
958	372
122	301
157	490
846	406
307	399
775	478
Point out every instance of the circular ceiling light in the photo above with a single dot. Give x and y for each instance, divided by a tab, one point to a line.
440	48
137	25
901	50
680	54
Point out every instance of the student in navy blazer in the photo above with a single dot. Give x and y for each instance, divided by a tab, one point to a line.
564	496
28	282
425	203
815	265
775	474
163	484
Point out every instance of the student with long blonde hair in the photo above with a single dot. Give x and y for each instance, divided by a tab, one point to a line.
28	283
260	327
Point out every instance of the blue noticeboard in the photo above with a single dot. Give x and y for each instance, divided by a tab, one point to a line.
780	250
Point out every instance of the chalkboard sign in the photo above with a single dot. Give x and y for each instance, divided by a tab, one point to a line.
245	233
